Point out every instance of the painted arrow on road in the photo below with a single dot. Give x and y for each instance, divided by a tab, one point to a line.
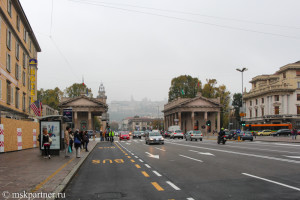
152	156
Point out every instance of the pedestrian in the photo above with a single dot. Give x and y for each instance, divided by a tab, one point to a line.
81	138
213	132
77	143
111	135
106	135
86	140
46	142
101	136
71	142
294	134
67	140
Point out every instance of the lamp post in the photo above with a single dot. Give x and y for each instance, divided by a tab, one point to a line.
242	71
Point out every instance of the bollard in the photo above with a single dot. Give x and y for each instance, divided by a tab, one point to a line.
239	138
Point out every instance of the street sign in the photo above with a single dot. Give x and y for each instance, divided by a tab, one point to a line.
68	115
238	131
242	114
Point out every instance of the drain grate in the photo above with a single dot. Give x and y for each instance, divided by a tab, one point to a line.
110	195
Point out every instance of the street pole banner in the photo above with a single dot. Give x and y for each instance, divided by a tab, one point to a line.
19	135
1	138
34	137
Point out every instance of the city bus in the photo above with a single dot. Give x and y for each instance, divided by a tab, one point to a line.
273	127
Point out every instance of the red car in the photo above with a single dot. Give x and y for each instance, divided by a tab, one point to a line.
124	135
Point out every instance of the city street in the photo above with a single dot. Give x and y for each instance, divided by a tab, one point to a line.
182	169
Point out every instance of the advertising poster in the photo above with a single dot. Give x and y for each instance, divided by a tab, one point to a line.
34	137
1	138
19	139
53	128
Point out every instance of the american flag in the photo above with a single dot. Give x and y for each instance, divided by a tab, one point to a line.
37	107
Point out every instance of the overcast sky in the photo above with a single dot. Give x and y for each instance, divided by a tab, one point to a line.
136	47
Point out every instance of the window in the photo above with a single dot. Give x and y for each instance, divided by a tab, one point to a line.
9	7
17	97
8	90
256	112
12	95
250	113
254	85
262	111
17	50
276	97
298	85
276	110
262	100
8	62
24	102
18	23
30	46
25	35
0	89
256	101
297	72
8	39
24	78
17	71
284	75
24	60
298	97
298	110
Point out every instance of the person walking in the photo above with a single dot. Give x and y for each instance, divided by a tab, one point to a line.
101	136
81	138
67	140
107	135
71	141
111	136
46	142
77	143
294	134
86	140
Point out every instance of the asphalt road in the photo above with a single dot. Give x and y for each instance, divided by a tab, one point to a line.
182	169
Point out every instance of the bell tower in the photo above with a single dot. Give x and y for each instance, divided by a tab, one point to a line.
101	93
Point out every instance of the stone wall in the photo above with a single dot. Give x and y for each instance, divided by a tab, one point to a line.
18	134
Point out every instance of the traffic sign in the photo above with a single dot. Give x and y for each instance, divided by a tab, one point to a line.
238	131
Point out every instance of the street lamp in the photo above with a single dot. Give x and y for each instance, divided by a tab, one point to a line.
242	71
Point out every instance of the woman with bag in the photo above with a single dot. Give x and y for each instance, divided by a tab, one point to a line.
71	141
46	142
77	143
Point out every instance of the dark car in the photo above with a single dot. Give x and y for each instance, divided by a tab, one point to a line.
233	133
282	132
244	135
228	135
136	134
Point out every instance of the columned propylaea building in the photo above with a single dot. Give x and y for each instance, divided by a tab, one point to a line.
192	113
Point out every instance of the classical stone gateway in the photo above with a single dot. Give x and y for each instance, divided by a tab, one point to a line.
84	109
192	113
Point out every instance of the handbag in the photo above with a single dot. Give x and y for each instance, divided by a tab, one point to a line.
70	149
50	140
77	141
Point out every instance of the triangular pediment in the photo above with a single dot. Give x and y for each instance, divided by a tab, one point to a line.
200	101
82	101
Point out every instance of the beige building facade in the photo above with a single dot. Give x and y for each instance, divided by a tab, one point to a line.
18	45
192	113
275	98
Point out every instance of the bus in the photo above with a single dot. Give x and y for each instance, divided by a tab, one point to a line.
273	127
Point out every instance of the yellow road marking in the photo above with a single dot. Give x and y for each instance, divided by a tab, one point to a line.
155	184
96	161
126	154
132	160
138	166
51	176
145	174
128	157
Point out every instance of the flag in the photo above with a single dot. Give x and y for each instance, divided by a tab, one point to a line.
182	92
37	107
198	83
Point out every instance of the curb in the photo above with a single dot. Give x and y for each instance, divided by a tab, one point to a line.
277	141
61	187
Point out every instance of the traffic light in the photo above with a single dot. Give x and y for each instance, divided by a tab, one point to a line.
208	123
243	123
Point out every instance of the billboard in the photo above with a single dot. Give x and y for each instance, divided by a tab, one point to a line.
53	128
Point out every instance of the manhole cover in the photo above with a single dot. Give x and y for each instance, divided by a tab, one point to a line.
110	195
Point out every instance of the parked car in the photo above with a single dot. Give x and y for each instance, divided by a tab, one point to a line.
124	135
244	135
264	132
90	133
282	132
154	138
232	133
136	134
193	135
176	134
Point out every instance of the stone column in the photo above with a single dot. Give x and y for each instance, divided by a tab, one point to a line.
205	120
193	120
219	122
76	120
179	120
90	121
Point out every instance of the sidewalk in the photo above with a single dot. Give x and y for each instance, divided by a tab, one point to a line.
28	171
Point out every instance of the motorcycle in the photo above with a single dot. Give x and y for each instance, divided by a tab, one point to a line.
222	139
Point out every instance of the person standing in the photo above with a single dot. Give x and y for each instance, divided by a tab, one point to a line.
77	143
294	133
111	136
67	140
46	143
101	136
71	141
86	140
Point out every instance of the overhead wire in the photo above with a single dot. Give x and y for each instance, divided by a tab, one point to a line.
188	20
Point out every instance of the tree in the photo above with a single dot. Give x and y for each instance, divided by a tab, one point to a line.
158	124
184	86
97	123
209	90
237	104
224	95
77	89
50	97
114	126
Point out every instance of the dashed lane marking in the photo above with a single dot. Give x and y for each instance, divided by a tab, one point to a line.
132	160
173	185
141	160
136	157
157	186
145	174
191	158
159	149
147	165
156	173
128	157
138	166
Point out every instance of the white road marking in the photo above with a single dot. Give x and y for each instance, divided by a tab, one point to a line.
147	165
141	160
191	158
293	156
264	179
141	140
156	173
136	157
190	198
159	149
206	153
244	154
132	154
152	156
172	185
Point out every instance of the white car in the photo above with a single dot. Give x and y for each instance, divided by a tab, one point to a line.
154	138
176	134
193	135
